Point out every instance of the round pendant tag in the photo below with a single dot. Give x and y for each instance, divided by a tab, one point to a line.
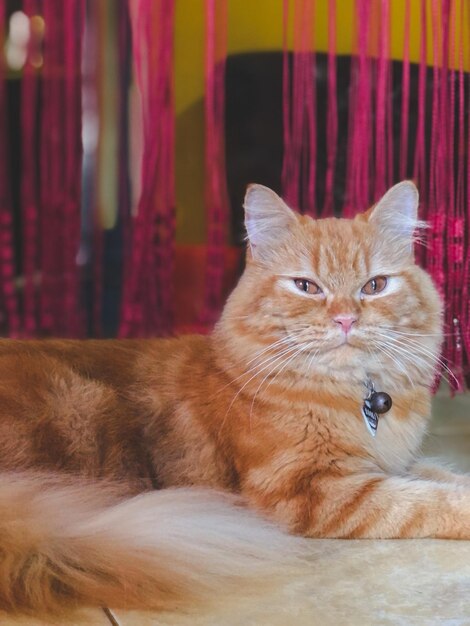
380	402
376	403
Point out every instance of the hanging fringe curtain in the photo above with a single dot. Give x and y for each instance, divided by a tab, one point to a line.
420	162
456	236
125	72
148	283
359	174
50	195
11	320
331	115
383	176
30	186
405	91
216	196
60	168
300	120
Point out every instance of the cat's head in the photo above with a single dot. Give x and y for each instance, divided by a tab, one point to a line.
336	294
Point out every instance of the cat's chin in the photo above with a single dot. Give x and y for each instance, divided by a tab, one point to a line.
343	355
344	347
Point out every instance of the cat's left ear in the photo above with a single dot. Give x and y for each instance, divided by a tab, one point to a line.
396	214
268	220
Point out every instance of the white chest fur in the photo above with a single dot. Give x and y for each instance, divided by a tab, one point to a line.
397	441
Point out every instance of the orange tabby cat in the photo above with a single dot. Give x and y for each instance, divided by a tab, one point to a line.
269	406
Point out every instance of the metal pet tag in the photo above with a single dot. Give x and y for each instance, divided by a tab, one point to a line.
370	418
376	403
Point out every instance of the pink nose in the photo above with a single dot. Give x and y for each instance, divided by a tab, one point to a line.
345	321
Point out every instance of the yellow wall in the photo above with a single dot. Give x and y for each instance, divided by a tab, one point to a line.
257	25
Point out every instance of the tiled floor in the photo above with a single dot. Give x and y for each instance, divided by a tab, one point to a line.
363	583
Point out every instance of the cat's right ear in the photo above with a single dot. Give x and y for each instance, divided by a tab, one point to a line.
396	214
267	220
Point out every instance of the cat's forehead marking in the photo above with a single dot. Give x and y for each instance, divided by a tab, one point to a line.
339	249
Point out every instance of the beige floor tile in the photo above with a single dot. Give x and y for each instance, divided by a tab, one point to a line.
358	583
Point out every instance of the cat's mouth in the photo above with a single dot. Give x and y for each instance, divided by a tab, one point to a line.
345	343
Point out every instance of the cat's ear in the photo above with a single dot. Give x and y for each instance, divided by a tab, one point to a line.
396	214
397	211
267	220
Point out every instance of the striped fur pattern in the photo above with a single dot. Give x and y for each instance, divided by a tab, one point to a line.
267	408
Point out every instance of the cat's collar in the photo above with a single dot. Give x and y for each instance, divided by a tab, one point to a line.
375	403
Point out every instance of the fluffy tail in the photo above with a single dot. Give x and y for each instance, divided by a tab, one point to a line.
63	544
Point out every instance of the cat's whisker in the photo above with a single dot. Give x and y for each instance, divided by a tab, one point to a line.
312	358
423	358
411	334
393	357
415	344
284	354
281	343
373	352
423	350
400	347
239	317
302	325
277	343
271	361
301	349
287	347
287	361
291	339
412	358
406	340
293	334
415	361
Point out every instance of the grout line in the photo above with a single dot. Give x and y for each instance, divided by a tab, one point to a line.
109	614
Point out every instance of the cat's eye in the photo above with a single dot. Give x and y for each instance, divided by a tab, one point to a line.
307	286
375	285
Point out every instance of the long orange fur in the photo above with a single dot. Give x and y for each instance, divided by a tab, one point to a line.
266	408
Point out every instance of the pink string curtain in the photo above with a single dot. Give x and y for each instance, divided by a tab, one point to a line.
216	196
30	185
405	90
11	318
331	115
299	98
359	172
434	151
147	304
60	167
40	289
54	283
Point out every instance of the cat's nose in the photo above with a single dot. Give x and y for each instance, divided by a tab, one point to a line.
345	321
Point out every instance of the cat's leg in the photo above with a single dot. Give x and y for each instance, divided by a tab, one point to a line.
374	505
430	469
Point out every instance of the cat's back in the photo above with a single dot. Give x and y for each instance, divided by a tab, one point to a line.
74	404
115	362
